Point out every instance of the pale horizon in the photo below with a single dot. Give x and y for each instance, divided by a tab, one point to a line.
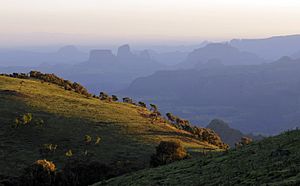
140	21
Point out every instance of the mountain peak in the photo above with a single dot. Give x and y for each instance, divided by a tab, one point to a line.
124	51
217	123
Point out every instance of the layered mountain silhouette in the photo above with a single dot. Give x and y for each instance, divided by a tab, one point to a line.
111	72
256	98
169	58
65	55
296	55
269	48
221	52
100	70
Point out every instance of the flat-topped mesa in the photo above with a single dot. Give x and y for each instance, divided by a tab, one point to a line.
124	52
100	56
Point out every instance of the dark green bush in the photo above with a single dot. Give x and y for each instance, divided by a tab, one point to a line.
114	98
41	173
142	104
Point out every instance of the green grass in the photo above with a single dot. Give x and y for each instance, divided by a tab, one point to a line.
68	116
255	164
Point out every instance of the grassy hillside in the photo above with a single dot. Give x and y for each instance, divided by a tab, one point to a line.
272	161
67	117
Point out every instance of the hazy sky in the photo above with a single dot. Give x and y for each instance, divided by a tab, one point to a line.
51	21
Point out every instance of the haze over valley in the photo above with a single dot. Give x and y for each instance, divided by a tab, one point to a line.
137	92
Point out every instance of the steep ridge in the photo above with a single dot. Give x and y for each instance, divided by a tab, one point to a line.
60	116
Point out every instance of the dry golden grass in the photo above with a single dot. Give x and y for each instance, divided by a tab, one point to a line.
125	134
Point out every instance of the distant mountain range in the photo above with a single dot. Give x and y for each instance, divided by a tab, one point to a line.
253	98
100	70
169	58
223	53
105	71
269	48
296	55
65	55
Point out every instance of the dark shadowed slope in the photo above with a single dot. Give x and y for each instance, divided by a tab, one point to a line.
273	161
127	132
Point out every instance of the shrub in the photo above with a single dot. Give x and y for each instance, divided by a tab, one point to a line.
69	153
47	165
142	104
80	89
153	108
171	117
24	119
39	122
244	141
67	87
168	152
128	100
42	172
48	149
87	139
97	140
104	96
114	98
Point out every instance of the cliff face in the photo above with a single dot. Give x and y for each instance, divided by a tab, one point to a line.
124	52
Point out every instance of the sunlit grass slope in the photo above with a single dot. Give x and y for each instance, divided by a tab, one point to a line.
125	134
273	161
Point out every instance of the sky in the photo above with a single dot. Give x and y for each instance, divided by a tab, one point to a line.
156	21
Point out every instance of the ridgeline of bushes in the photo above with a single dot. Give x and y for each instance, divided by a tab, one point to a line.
202	134
52	78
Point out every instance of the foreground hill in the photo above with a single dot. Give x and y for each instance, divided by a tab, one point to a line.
34	113
272	161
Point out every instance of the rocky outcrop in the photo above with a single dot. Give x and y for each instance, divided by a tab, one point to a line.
124	52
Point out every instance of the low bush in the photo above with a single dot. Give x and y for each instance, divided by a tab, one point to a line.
41	173
168	152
